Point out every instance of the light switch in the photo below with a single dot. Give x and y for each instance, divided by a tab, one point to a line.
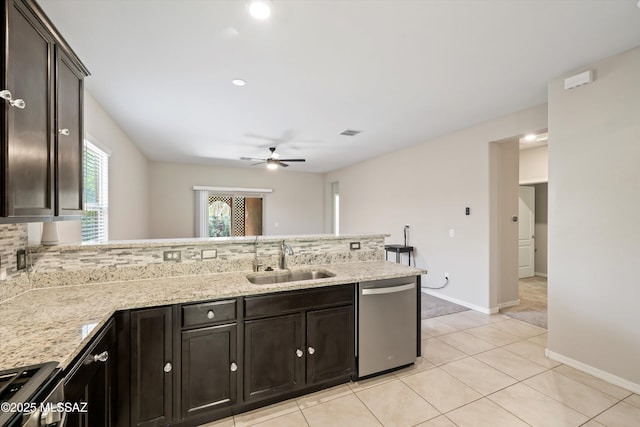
209	253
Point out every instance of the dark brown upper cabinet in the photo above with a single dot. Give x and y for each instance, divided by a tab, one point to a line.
41	129
69	135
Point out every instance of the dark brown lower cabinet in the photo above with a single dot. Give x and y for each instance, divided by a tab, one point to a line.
330	344
190	364
209	369
151	367
312	346
273	356
90	383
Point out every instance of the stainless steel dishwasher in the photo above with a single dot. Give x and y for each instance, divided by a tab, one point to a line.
387	324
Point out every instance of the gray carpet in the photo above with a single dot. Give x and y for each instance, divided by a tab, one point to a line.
434	307
533	302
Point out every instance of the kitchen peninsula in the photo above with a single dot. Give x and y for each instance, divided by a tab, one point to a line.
193	303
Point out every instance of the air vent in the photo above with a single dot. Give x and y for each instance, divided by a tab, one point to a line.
350	132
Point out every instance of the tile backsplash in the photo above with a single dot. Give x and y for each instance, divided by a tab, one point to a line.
66	265
12	238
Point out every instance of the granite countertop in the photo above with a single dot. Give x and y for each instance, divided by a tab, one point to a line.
54	324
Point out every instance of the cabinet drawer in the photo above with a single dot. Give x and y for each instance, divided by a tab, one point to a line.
286	302
208	313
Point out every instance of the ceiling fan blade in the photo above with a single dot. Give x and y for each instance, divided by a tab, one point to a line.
292	160
284	165
259	163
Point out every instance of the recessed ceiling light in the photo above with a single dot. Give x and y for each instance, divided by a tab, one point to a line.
238	82
260	9
530	137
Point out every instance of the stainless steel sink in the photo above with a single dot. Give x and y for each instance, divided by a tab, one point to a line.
287	276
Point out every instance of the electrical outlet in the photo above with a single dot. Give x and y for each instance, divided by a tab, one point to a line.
21	259
172	255
354	245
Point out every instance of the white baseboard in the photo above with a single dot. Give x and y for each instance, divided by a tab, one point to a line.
537	273
508	304
460	302
598	373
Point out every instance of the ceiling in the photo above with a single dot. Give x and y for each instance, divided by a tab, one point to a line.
401	71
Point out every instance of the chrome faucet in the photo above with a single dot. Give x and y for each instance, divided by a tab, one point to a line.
284	251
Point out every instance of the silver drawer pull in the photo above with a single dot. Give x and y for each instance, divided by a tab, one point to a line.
102	357
18	103
311	350
167	368
299	353
210	314
234	367
64	132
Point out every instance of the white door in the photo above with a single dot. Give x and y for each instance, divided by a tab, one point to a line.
526	232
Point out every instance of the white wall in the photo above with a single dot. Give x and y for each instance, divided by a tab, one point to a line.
594	291
128	174
296	204
128	181
534	165
428	186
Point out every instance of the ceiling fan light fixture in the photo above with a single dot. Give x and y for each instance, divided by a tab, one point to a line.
259	9
272	165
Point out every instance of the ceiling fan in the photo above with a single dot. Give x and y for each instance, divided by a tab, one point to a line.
273	161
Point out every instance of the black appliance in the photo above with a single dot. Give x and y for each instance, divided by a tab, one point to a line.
25	392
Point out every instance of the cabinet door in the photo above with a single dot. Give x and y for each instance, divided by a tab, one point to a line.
69	136
27	148
274	356
209	369
91	382
330	344
151	367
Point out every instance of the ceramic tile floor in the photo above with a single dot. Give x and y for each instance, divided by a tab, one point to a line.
476	370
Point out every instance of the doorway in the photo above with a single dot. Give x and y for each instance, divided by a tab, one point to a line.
532	232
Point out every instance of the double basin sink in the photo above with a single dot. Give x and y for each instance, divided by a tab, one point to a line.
269	278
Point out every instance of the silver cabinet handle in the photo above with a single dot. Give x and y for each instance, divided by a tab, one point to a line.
18	103
234	367
102	357
64	132
210	314
299	353
168	367
311	350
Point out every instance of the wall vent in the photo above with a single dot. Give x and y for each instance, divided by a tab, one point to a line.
350	132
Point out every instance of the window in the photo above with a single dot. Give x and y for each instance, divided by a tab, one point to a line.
234	216
96	194
229	211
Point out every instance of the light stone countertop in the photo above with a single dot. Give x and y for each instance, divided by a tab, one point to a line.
47	324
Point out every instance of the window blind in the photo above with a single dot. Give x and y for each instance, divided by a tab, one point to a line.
96	194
